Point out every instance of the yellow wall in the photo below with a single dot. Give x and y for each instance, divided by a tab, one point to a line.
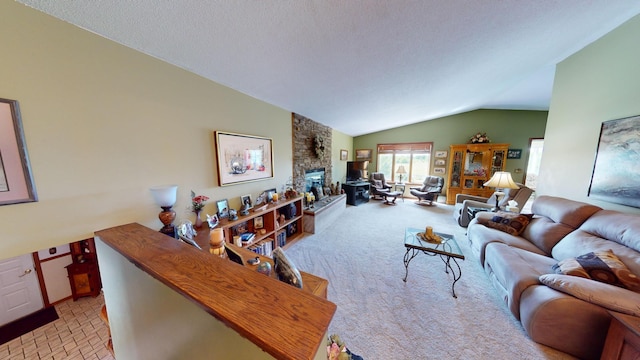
103	123
599	83
340	141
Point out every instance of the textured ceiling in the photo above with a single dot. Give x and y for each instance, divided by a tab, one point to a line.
361	66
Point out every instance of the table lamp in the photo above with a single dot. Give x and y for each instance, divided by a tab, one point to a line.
501	180
165	197
400	172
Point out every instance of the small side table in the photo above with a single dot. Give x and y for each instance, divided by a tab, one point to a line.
400	187
623	338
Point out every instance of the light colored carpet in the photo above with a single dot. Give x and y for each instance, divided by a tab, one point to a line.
381	317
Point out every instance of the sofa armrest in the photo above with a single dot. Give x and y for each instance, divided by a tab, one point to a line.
462	197
608	296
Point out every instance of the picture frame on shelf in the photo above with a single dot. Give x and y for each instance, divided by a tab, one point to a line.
258	222
363	154
269	195
514	153
344	154
223	208
243	158
441	154
246	200
213	220
16	179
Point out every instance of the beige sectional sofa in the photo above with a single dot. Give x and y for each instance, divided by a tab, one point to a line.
534	271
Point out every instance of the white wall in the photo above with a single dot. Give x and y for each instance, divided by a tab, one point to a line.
103	123
599	83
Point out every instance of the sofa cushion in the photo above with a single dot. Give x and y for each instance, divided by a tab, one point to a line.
513	270
545	233
560	210
479	236
605	295
603	266
511	223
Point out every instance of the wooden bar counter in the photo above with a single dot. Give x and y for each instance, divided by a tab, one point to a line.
282	320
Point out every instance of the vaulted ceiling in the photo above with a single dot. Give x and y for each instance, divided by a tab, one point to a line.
361	66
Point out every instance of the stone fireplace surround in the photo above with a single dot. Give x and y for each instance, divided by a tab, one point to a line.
305	158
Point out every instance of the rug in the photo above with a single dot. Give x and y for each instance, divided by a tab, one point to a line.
27	324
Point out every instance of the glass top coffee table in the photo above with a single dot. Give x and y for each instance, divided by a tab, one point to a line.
448	250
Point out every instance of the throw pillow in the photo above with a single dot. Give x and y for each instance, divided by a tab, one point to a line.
510	223
602	266
605	295
377	184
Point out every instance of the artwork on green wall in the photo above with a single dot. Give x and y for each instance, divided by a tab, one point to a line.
514	153
615	176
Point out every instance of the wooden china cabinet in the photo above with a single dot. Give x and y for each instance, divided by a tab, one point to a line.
471	165
84	275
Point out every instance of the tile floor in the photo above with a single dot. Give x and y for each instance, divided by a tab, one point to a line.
78	334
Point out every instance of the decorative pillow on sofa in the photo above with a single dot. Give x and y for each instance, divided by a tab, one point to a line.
605	295
510	223
603	266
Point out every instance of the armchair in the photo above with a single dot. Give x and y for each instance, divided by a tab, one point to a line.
379	185
463	202
430	189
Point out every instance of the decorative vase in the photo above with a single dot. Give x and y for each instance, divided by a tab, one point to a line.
198	223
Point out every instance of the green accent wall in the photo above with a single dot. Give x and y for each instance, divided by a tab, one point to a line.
514	127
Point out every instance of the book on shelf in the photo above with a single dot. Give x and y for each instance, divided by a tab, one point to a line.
247	237
264	248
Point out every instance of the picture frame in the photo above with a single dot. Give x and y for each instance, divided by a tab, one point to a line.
438	170
16	180
223	208
258	222
213	220
441	154
514	153
614	178
440	162
344	154
269	195
363	154
243	158
246	200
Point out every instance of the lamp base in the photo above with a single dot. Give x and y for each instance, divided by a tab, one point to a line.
166	216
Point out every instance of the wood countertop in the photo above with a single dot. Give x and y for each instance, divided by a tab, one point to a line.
284	321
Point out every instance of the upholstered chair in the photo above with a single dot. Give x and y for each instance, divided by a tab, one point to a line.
378	185
429	191
463	202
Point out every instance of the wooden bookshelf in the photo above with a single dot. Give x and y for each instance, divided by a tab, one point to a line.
293	226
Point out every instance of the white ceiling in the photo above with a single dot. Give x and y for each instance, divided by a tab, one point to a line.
361	66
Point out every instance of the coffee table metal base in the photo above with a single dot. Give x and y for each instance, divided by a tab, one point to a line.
448	251
455	271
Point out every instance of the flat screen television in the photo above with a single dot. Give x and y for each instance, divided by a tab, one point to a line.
357	170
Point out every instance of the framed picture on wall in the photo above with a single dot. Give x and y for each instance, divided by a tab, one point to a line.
243	158
514	153
440	162
441	154
343	155
363	154
614	178
438	170
16	181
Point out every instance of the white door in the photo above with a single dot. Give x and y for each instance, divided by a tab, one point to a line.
19	289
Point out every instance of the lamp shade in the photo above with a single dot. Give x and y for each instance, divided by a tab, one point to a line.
401	170
164	196
502	180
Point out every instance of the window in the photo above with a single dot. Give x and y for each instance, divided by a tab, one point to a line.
414	157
